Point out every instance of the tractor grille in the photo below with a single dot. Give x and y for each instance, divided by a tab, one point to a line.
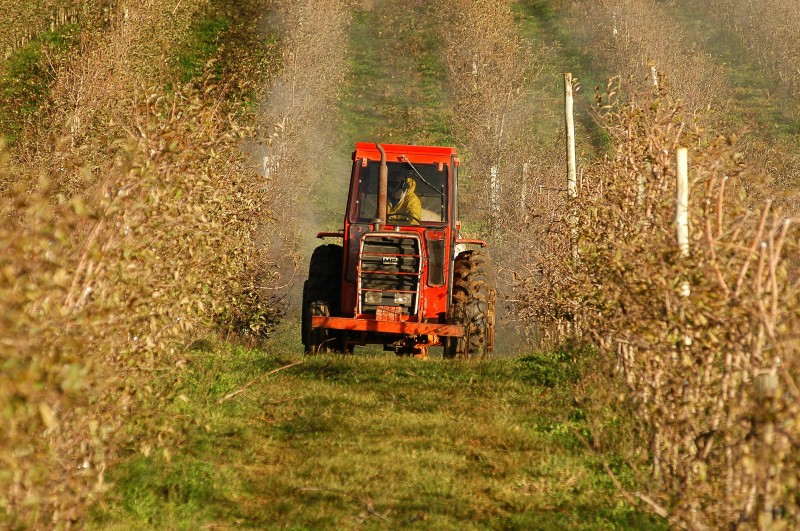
389	267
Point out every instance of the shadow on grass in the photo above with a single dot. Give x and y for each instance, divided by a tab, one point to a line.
582	516
161	493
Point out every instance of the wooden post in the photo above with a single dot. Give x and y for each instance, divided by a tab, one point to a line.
569	119
572	180
682	209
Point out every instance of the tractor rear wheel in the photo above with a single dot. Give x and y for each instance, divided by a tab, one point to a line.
472	307
321	296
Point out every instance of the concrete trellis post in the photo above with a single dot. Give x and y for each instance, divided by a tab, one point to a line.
682	201
494	195
523	199
475	71
766	390
614	30
654	76
682	209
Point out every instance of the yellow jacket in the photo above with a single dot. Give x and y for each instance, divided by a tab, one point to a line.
409	205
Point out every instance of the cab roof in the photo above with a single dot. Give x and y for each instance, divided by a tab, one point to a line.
395	152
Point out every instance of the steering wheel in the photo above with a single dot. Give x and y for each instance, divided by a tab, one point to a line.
399	216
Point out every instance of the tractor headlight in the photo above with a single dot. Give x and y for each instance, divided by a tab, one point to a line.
373	297
402	298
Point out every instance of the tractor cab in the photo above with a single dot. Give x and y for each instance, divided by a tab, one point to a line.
416	193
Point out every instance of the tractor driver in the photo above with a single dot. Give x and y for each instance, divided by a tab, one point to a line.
404	204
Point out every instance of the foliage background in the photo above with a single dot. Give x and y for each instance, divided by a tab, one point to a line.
155	185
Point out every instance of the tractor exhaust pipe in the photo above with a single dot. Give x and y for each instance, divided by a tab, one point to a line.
383	189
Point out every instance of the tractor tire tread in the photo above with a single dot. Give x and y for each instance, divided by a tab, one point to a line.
321	296
472	307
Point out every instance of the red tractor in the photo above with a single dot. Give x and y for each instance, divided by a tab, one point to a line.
401	276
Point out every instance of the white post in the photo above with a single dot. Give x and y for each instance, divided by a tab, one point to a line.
614	29
495	194
766	393
654	75
475	71
682	201
572	179
569	118
523	199
682	209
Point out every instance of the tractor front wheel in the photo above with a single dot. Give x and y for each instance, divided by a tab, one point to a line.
472	307
321	296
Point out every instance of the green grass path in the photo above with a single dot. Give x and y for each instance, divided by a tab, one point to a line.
543	24
396	91
372	441
761	102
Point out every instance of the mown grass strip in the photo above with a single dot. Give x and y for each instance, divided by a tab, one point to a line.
543	22
760	101
372	440
397	88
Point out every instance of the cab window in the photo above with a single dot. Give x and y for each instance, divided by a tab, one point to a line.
417	195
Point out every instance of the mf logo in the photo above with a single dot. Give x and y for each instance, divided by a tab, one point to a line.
390	260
